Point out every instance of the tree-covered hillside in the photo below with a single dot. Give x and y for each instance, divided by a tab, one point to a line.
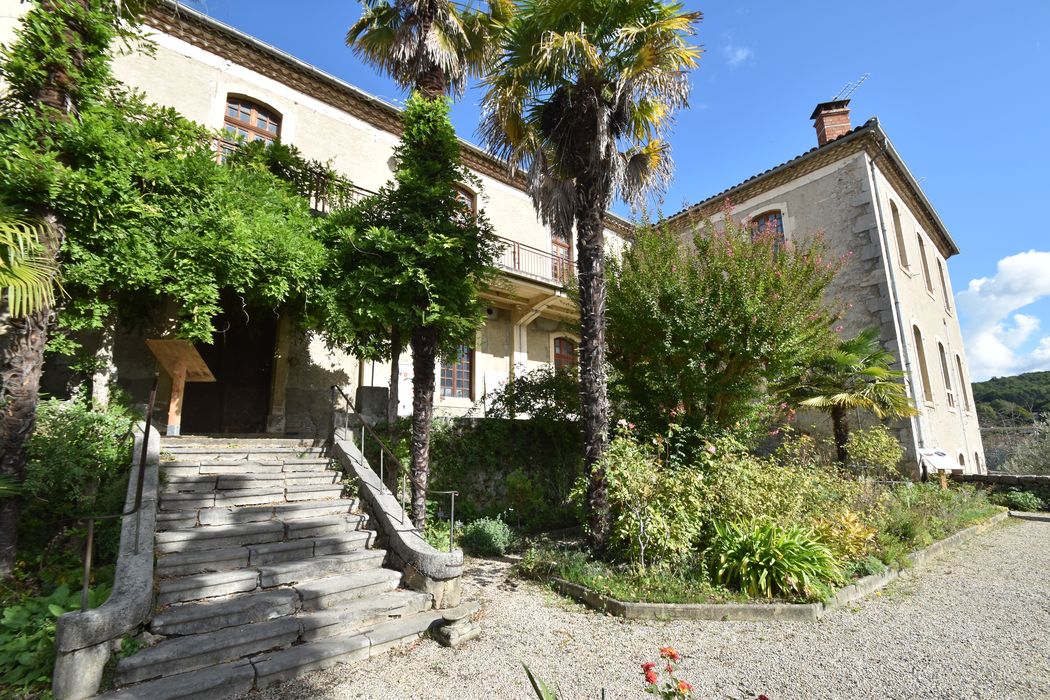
1012	400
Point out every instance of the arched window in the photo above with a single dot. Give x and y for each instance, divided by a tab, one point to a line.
947	375
924	372
902	250
976	461
962	460
944	286
769	222
250	121
962	383
925	264
564	353
457	374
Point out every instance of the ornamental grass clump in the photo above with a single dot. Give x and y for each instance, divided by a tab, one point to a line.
486	537
770	561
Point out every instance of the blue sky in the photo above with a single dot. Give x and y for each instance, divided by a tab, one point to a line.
961	89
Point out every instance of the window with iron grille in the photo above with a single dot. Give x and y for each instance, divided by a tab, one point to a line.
457	374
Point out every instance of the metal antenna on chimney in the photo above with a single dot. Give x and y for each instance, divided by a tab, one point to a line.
849	89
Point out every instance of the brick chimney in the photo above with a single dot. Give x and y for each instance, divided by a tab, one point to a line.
831	120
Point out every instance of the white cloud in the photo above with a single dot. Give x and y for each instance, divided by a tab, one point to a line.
996	336
735	55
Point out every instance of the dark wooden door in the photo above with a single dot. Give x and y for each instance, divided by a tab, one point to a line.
241	358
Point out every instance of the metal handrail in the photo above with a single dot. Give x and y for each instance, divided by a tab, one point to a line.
89	547
384	449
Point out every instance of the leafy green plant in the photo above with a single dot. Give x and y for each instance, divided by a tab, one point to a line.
539	686
1017	499
486	537
767	560
27	637
874	451
544	393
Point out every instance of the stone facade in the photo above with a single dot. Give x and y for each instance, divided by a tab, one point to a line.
857	191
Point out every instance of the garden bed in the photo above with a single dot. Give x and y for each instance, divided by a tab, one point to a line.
760	612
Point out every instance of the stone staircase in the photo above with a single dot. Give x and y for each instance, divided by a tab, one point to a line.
264	572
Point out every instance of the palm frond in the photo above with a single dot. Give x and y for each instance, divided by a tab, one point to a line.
27	273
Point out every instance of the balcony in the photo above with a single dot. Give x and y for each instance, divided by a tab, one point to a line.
534	263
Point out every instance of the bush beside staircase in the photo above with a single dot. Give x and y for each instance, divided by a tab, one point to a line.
264	572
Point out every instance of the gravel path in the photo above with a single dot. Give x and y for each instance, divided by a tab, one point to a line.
974	624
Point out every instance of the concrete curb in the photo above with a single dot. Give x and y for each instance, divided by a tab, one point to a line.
765	612
425	568
83	639
1025	515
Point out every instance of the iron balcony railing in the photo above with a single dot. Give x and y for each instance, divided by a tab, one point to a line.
533	262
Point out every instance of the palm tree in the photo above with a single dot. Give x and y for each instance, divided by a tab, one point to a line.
432	47
27	274
853	375
581	96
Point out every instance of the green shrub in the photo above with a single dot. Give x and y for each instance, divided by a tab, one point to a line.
1017	499
27	637
770	561
486	537
914	516
657	511
874	451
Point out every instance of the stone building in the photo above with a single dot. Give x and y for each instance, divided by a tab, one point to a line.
856	188
270	376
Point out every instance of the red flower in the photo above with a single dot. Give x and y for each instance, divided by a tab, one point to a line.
648	665
669	653
650	677
684	687
762	697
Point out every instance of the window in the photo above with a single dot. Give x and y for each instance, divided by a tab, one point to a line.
770	222
947	375
944	286
457	374
564	353
469	199
976	461
962	383
925	265
561	257
250	121
962	460
902	250
924	371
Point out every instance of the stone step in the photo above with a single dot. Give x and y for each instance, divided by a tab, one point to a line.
278	666
197	651
276	552
337	590
222	681
324	526
197	562
199	618
363	613
207	585
310	492
293	572
280	511
218	536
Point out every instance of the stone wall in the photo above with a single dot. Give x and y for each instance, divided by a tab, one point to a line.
1037	484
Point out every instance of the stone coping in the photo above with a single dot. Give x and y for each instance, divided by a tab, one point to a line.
392	522
763	612
82	638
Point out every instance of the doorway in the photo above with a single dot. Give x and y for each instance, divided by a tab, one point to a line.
241	357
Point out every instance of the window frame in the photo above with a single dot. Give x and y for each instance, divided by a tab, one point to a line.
575	356
946	376
256	109
924	370
757	228
454	370
943	274
467	196
967	402
926	275
898	230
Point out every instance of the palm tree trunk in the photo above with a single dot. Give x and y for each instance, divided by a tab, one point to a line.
840	424
22	361
593	190
432	82
424	355
103	374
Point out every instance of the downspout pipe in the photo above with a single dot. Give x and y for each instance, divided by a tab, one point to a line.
916	424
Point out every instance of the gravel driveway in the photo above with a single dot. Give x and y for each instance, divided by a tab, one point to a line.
973	624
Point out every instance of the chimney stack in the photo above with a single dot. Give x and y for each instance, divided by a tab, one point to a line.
831	120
